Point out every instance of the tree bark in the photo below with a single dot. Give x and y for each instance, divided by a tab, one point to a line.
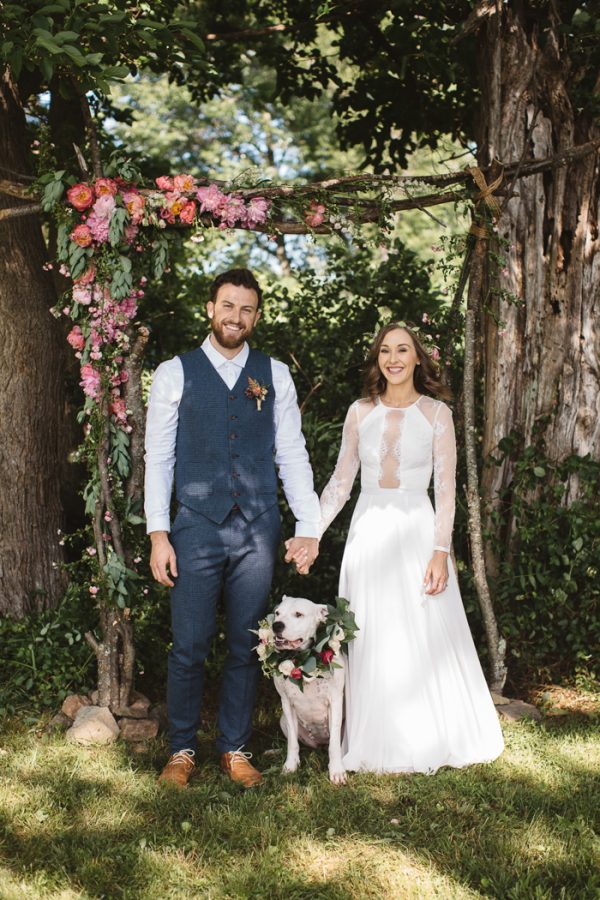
31	396
541	364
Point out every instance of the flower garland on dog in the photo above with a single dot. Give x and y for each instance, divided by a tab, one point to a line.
302	666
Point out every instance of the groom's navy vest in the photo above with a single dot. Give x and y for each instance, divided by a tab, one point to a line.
225	446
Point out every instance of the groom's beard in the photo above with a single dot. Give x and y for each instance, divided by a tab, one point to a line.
230	341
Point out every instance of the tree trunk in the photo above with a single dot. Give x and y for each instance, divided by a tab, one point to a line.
542	375
31	396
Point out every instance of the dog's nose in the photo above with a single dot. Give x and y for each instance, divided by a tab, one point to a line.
278	627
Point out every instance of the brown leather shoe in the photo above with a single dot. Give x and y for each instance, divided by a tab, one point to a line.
237	765
179	769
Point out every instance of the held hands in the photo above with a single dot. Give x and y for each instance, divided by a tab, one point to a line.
436	576
162	558
302	551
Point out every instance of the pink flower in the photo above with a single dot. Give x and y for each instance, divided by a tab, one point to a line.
134	204
165	183
296	674
118	409
131	232
315	214
327	655
434	353
99	218
76	338
188	212
90	381
82	235
92	551
175	202
107	516
81	196
256	211
105	187
88	276
232	210
82	295
425	318
93	590
184	183
211	198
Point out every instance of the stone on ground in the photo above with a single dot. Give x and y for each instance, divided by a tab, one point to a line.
136	730
73	703
59	722
137	709
499	700
518	709
93	725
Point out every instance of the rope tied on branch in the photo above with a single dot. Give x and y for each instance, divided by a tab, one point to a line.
485	195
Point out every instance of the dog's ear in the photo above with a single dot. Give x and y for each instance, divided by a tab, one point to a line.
323	612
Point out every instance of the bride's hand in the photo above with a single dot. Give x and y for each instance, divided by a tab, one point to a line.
436	576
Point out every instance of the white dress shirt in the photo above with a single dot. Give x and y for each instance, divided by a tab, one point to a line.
291	457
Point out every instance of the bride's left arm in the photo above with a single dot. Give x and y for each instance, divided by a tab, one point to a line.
444	484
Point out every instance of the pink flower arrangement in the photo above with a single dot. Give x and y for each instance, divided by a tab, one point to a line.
184	183
165	183
134	204
99	218
105	187
81	196
188	212
210	198
118	409
257	211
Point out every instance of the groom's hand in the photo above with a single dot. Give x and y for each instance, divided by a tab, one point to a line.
162	558
302	551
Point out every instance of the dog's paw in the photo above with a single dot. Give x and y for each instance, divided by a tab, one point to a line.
290	766
337	776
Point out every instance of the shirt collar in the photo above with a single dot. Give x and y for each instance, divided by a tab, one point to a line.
218	360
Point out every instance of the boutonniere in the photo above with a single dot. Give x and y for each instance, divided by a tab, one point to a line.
256	391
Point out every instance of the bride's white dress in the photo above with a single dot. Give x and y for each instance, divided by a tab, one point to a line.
416	697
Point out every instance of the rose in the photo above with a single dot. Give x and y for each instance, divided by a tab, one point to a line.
81	196
327	655
164	183
82	235
76	338
105	187
188	212
287	667
184	183
315	214
296	674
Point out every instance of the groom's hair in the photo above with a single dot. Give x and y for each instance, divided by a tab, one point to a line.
238	277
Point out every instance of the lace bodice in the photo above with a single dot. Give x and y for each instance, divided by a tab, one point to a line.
397	449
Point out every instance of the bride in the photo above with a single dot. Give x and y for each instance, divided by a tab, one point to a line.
416	697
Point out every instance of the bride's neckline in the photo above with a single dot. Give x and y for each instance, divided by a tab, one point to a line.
389	406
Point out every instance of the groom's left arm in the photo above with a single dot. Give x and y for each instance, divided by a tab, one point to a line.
291	459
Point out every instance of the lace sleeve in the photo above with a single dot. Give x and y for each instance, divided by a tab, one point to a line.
338	488
444	477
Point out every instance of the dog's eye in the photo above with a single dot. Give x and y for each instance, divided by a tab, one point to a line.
298	615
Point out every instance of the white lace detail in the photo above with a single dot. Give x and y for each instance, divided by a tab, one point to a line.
397	449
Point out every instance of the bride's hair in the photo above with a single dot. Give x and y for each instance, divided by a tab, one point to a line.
426	377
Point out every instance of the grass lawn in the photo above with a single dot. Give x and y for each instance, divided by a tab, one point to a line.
91	823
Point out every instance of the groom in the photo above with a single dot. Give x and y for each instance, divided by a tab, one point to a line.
222	418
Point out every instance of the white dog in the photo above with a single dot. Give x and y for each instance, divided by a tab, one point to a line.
314	715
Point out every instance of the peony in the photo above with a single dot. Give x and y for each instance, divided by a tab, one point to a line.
296	674
434	353
188	212
118	409
175	202
82	235
90	380
81	196
134	204
211	199
88	276
105	187
82	295
315	214
184	183
256	211
76	338
99	218
232	210
165	183
327	655
287	667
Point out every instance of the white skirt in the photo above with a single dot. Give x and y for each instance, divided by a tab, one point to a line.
416	697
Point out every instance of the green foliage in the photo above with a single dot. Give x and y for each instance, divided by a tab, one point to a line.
547	588
45	657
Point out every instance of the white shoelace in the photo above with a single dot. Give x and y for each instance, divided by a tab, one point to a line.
240	753
183	757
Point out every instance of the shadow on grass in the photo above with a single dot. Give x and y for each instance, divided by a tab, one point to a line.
519	828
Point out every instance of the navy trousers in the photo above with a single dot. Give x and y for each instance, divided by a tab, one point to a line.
234	560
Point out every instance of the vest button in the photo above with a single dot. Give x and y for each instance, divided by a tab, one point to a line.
232	397
233	417
235	493
232	436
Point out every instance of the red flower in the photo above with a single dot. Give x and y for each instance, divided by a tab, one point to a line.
82	235
327	655
296	674
80	196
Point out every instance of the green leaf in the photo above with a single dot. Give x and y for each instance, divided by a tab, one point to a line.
74	54
193	38
70	36
539	472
